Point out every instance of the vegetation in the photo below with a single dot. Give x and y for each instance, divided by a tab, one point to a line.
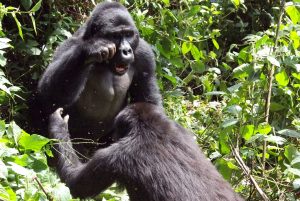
228	70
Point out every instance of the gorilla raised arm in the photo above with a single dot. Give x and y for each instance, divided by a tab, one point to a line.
96	72
155	159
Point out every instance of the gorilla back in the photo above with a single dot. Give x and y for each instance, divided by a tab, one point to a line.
156	159
95	73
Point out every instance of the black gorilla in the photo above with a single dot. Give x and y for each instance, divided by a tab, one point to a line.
104	66
155	159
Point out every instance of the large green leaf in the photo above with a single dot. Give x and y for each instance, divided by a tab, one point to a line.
282	78
33	142
293	13
247	131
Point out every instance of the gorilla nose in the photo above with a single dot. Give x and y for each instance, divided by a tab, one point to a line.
126	52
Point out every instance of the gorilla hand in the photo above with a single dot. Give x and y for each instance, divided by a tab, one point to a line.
99	50
58	126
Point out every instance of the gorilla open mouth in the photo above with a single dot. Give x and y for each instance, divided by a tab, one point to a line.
121	68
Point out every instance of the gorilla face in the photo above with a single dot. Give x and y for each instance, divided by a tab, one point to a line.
116	27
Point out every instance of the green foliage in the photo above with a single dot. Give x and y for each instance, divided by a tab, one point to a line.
214	60
24	173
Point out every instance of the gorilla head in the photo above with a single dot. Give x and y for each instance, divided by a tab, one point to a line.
111	21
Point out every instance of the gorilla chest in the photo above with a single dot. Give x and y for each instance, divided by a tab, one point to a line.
104	94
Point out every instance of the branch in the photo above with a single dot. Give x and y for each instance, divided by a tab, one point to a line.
43	189
247	172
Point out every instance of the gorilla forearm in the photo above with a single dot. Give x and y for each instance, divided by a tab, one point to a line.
65	78
144	86
84	180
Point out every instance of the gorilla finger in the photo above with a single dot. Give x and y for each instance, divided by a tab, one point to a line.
66	118
105	53
112	50
59	111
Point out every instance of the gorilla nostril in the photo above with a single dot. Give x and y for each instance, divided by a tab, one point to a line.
125	52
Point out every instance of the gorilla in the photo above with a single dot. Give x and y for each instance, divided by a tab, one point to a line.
154	158
102	68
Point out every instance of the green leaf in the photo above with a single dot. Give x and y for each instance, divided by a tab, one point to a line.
294	36
295	160
20	170
247	131
223	142
22	160
293	13
261	41
215	93
195	52
242	71
18	25
3	170
26	4
290	152
186	47
37	6
4	43
7	194
39	165
2	127
35	51
229	122
223	168
255	137
296	184
296	75
14	131
275	107
244	55
33	142
289	133
3	60
216	44
234	109
282	78
61	192
276	139
294	171
236	3
198	66
33	23
264	128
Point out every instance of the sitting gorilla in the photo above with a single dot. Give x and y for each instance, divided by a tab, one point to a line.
104	66
155	159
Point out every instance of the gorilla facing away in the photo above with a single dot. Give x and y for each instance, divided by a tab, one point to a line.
155	159
104	66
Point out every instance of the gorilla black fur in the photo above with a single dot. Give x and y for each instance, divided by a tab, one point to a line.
104	66
155	159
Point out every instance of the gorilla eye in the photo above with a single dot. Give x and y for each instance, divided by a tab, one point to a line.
128	34
115	35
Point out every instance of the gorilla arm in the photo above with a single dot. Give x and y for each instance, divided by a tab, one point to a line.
66	76
83	180
144	86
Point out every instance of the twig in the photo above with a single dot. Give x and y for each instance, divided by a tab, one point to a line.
246	170
49	197
270	76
